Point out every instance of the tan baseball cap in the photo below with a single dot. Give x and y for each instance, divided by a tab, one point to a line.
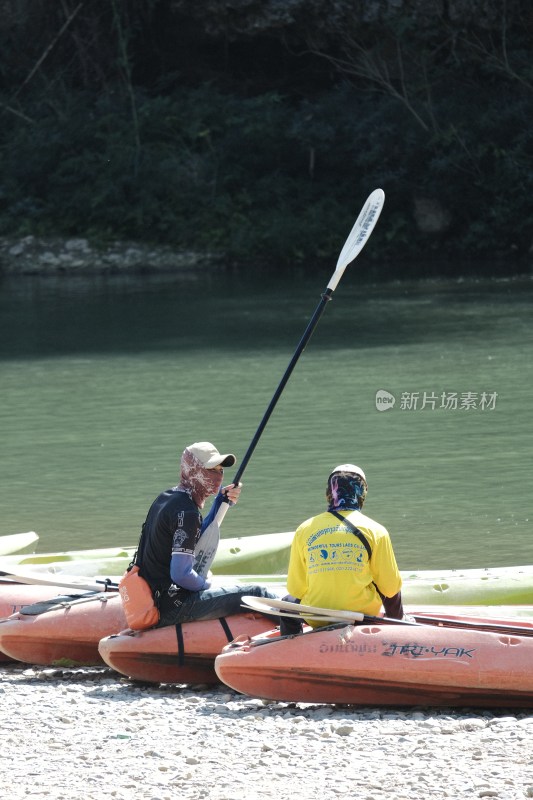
208	455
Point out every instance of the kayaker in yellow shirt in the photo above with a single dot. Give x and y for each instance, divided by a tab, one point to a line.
333	566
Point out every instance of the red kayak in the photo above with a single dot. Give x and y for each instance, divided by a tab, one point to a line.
68	634
153	656
71	634
13	596
486	662
178	654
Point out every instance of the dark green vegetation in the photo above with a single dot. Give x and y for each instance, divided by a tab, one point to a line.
256	129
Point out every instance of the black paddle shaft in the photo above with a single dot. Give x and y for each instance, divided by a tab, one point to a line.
327	295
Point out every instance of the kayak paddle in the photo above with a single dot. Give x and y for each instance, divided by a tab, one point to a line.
364	225
70	582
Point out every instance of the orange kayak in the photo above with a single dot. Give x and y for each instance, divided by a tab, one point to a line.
390	664
153	656
13	596
71	634
183	654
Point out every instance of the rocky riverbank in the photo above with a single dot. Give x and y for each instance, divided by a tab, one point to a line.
77	256
87	734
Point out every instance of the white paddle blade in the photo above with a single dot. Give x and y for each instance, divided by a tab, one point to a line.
263	608
285	605
359	235
206	549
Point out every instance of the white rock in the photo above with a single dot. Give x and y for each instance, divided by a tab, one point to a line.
77	244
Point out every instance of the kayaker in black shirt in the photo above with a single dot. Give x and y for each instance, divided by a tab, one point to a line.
171	531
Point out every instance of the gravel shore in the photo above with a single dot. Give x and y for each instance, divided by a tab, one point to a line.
87	734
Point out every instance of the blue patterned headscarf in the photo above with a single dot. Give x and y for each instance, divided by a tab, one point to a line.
346	490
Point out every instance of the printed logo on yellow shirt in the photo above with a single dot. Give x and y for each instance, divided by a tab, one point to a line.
335	556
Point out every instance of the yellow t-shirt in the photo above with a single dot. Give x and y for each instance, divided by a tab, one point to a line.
329	564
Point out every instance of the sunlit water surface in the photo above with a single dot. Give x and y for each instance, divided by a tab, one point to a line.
104	381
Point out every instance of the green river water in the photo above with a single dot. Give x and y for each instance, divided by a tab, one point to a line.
427	386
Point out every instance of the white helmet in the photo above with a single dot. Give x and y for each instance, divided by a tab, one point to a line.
351	469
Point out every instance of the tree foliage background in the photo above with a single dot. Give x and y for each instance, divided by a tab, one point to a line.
257	128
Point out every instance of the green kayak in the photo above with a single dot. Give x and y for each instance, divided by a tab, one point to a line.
471	587
15	542
509	586
493	586
96	555
265	553
264	559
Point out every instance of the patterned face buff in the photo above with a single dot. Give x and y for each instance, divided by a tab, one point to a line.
346	491
198	481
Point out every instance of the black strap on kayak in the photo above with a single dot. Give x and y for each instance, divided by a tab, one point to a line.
181	646
360	535
226	628
59	602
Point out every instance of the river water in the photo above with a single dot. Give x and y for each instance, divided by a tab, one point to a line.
427	386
